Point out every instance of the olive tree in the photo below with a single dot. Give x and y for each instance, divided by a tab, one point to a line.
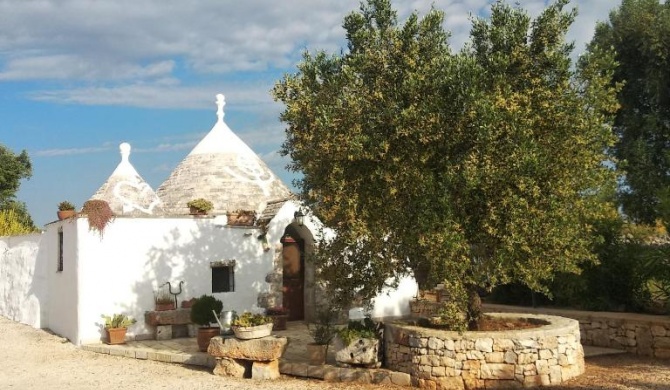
471	168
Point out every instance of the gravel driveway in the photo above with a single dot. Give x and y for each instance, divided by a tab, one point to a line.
34	359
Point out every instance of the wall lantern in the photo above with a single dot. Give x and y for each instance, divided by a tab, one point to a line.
299	217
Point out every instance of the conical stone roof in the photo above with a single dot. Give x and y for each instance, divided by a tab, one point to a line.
224	170
126	192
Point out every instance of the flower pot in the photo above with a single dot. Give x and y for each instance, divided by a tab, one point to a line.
317	354
165	306
279	321
252	332
187	304
64	214
205	334
196	211
116	335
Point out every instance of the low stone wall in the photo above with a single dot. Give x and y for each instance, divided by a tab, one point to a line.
434	359
641	334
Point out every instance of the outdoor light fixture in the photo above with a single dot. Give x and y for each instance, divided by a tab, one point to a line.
299	217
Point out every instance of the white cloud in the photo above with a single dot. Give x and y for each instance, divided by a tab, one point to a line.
176	54
70	151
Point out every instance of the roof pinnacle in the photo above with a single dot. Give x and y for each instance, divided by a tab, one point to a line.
220	102
125	151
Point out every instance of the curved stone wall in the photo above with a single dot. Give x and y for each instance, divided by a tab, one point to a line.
436	359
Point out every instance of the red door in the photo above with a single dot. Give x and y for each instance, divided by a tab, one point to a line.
294	280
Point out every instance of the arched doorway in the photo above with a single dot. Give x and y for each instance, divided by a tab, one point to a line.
297	244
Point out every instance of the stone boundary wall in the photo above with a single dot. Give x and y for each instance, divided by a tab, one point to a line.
543	356
640	334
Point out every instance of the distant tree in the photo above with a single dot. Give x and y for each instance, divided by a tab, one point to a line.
472	169
638	31
14	168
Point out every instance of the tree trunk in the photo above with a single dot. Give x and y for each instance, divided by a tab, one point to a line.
474	307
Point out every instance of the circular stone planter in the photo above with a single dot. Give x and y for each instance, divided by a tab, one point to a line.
543	356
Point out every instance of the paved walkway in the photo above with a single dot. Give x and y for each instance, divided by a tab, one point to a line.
293	362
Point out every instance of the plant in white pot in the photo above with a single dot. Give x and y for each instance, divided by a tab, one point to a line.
252	326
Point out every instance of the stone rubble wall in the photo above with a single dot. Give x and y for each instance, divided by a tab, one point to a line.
436	359
640	334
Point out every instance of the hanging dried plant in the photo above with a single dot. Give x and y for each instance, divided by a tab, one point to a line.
99	214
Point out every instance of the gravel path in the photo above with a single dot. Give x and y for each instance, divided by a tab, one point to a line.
34	359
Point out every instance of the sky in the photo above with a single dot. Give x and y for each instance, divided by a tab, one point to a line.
79	77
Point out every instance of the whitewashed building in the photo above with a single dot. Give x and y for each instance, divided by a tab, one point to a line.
66	277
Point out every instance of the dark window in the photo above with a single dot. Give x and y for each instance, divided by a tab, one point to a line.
223	279
60	250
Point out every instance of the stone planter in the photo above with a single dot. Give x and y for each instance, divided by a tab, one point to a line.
241	219
363	352
316	354
545	356
252	332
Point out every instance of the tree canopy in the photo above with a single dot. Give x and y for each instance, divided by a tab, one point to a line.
638	31
472	168
13	168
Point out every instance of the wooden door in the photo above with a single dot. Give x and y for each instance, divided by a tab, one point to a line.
294	280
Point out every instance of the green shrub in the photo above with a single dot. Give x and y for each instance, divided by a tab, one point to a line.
366	329
201	311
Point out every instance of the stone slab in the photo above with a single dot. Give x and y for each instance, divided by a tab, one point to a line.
263	349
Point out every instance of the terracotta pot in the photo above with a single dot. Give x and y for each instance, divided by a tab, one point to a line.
316	354
64	214
187	304
205	334
196	211
116	335
165	306
252	332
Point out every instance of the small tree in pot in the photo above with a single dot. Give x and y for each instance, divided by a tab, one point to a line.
202	313
322	331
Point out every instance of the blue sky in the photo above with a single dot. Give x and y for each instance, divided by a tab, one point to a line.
79	77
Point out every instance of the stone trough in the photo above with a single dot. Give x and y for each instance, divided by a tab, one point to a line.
436	359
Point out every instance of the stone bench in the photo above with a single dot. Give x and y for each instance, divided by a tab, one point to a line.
171	323
255	359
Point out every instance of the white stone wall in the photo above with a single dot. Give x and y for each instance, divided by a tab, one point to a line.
119	272
22	281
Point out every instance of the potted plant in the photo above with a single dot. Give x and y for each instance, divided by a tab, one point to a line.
199	206
358	343
203	313
99	214
322	332
65	210
116	326
279	315
252	326
163	300
241	217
